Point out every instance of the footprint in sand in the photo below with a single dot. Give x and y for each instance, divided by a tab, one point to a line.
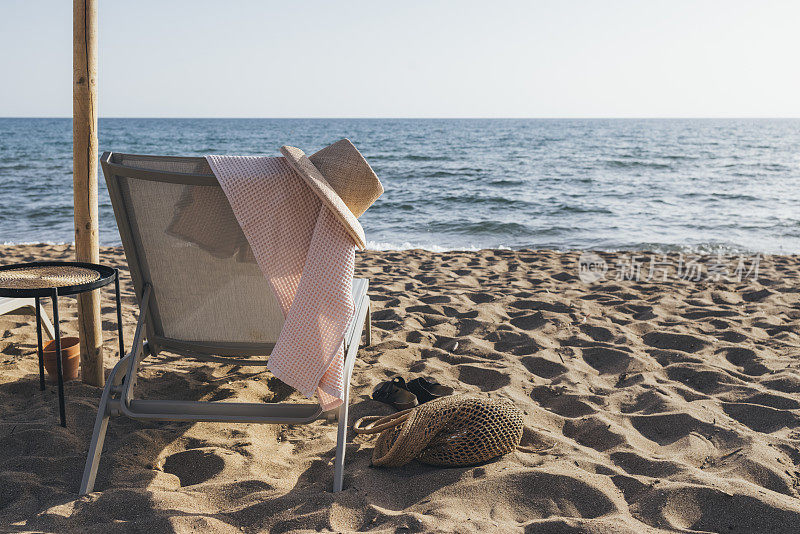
436	299
597	333
672	341
391	344
732	337
543	367
196	443
756	296
538	494
506	340
773	401
639	312
704	313
744	358
449	344
387	314
722	512
636	464
701	378
480	298
424	309
608	360
784	382
525	349
222	394
427	280
469	326
194	466
595	432
761	418
555	307
565	405
563	276
529	322
667	428
719	324
416	336
484	378
430	320
388	326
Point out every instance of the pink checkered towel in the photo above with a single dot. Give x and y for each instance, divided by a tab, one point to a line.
308	258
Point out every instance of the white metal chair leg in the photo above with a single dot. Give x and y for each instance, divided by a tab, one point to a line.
100	427
341	433
95	449
341	444
48	326
368	325
11	305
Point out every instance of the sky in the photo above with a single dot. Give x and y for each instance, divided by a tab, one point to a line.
376	58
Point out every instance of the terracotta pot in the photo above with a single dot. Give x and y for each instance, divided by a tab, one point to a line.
70	358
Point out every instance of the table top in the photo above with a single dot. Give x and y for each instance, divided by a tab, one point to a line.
39	279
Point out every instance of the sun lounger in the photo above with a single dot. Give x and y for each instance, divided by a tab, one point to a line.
207	301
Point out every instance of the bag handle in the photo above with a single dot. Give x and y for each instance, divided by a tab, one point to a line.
372	424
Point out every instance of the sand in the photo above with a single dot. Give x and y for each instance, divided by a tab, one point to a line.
649	406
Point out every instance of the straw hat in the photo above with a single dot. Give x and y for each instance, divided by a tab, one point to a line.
342	179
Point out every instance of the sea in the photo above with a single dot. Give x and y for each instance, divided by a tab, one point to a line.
696	185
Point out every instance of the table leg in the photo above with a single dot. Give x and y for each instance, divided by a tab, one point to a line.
39	339
61	407
119	315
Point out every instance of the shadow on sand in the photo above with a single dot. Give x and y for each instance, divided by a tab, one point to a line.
166	475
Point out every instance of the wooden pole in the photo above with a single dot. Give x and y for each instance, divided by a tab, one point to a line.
84	176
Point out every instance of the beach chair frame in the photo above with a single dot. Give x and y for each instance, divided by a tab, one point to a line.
12	304
118	397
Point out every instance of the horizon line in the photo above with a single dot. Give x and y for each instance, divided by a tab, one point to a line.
726	117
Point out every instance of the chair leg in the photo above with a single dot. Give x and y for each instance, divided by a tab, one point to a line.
38	311
341	434
341	444
95	448
48	326
100	427
368	325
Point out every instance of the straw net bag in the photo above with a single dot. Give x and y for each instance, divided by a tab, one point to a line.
449	431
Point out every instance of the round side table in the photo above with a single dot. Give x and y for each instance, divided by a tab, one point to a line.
55	279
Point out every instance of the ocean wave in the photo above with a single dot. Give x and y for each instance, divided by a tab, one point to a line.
421	157
386	246
23	243
622	164
456	173
479	228
725	249
469	184
451	201
506	182
709	248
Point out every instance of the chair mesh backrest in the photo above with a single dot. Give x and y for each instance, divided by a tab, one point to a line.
189	247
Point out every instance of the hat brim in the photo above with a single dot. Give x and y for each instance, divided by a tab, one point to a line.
320	186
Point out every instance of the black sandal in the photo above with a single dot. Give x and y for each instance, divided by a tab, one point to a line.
427	389
395	393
